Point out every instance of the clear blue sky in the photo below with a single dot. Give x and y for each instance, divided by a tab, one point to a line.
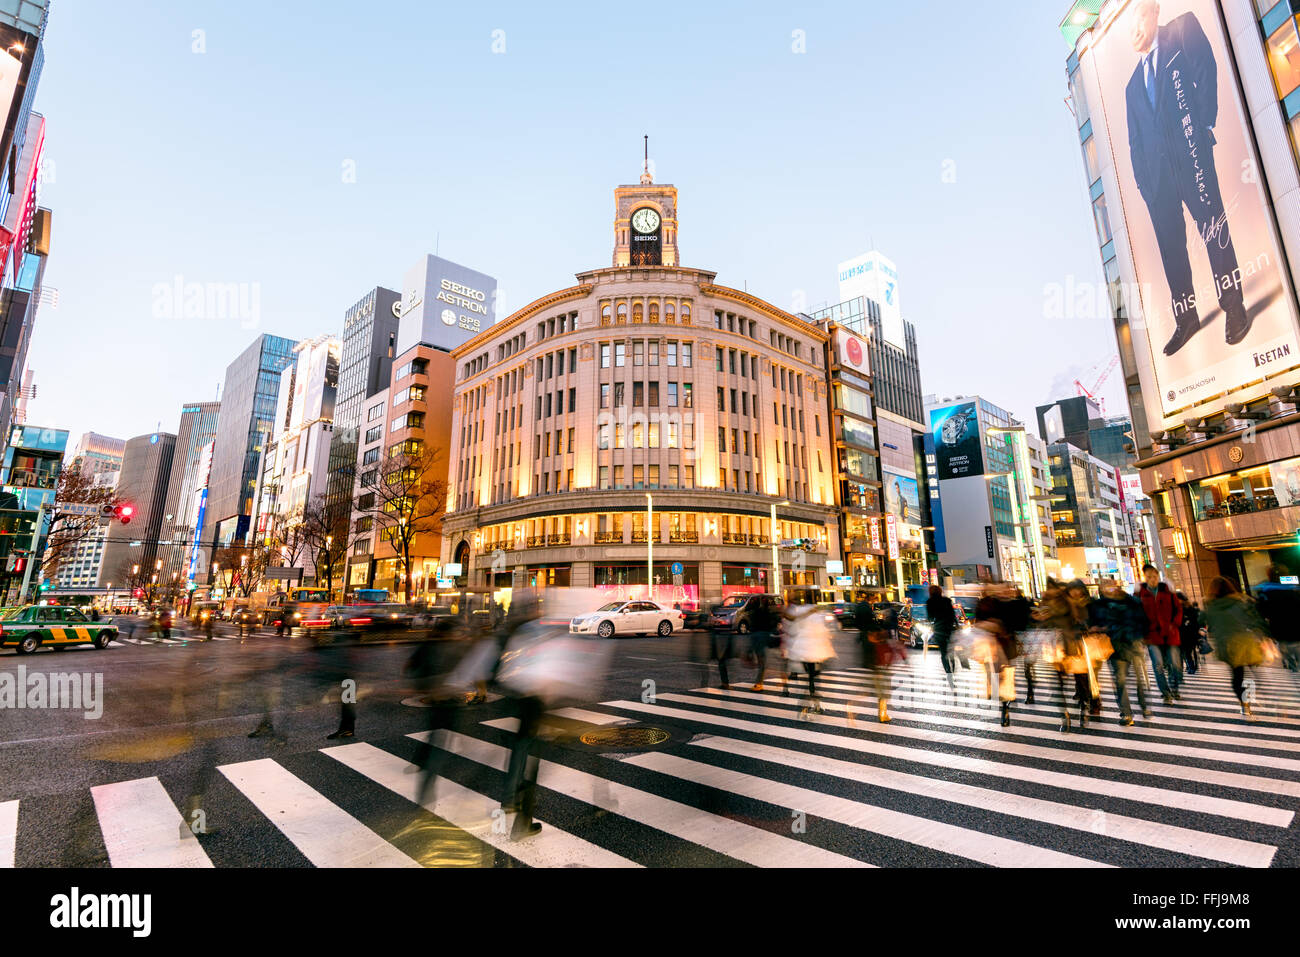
227	167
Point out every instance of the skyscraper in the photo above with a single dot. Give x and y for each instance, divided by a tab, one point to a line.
198	427
366	366
146	468
245	427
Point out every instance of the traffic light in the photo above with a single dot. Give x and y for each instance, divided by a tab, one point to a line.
16	564
123	513
139	593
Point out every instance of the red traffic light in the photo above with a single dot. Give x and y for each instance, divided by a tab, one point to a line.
123	513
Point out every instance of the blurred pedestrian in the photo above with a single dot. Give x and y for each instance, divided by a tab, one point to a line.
520	792
436	665
1164	614
766	636
1236	631
943	620
1071	622
1189	636
1280	607
1121	617
809	646
878	653
722	648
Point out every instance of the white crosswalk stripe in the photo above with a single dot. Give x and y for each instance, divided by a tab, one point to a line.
8	833
325	834
142	827
942	782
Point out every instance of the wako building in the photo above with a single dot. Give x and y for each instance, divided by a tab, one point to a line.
643	418
1187	112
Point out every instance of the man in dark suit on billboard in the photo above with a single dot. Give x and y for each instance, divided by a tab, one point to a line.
1173	105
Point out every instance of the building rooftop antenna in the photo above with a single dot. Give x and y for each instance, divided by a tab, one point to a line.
646	178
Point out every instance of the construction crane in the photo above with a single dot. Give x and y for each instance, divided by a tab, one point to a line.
1101	380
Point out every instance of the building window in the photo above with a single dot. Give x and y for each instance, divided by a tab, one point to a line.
672	353
688	400
638	353
604	356
620	355
1284	57
672	395
604	476
686	346
605	315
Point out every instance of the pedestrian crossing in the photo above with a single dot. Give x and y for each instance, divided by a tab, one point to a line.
749	778
122	642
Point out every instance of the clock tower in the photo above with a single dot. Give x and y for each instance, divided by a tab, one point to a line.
645	223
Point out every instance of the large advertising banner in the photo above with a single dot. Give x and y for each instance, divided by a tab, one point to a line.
874	276
1219	312
902	495
852	352
958	448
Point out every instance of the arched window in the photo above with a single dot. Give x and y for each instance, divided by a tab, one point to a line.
670	313
604	314
654	312
638	312
622	313
686	314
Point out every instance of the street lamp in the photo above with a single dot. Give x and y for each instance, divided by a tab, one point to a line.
776	558
650	546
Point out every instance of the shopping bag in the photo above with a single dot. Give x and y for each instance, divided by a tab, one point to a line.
1007	684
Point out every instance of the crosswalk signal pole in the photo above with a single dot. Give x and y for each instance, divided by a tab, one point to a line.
31	559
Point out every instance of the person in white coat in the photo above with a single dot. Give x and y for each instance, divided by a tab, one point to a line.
809	646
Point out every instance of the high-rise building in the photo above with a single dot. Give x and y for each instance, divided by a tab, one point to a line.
244	430
146	469
95	453
1092	534
297	470
365	367
197	429
24	228
99	460
1188	118
868	551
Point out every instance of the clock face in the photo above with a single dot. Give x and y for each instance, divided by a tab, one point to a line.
645	220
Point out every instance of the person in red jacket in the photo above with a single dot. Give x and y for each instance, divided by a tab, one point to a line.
1164	615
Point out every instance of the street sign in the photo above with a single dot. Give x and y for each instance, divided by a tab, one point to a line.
678	568
843	581
834	567
69	508
280	573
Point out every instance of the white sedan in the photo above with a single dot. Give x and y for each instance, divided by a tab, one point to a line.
629	618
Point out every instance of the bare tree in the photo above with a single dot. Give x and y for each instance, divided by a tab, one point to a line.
328	535
68	530
242	568
406	498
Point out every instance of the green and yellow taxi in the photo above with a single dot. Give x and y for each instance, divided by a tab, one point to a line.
55	626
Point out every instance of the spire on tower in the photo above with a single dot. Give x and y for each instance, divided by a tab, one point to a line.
646	178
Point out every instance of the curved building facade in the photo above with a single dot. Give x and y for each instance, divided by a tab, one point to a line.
644	418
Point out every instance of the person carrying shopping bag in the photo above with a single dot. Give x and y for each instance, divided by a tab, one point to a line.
1120	616
1237	634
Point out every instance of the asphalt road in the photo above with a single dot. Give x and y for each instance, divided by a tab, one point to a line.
740	777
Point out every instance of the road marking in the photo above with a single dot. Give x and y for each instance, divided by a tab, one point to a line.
1167	837
326	834
942	698
1161	797
473	812
8	834
142	827
921	831
733	839
1229	779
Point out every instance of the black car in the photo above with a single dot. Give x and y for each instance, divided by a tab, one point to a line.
737	613
843	612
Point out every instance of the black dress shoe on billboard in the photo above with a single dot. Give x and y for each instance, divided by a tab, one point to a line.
1186	329
1238	325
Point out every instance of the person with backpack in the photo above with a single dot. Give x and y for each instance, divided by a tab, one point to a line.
943	620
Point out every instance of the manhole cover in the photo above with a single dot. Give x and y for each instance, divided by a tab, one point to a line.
626	737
